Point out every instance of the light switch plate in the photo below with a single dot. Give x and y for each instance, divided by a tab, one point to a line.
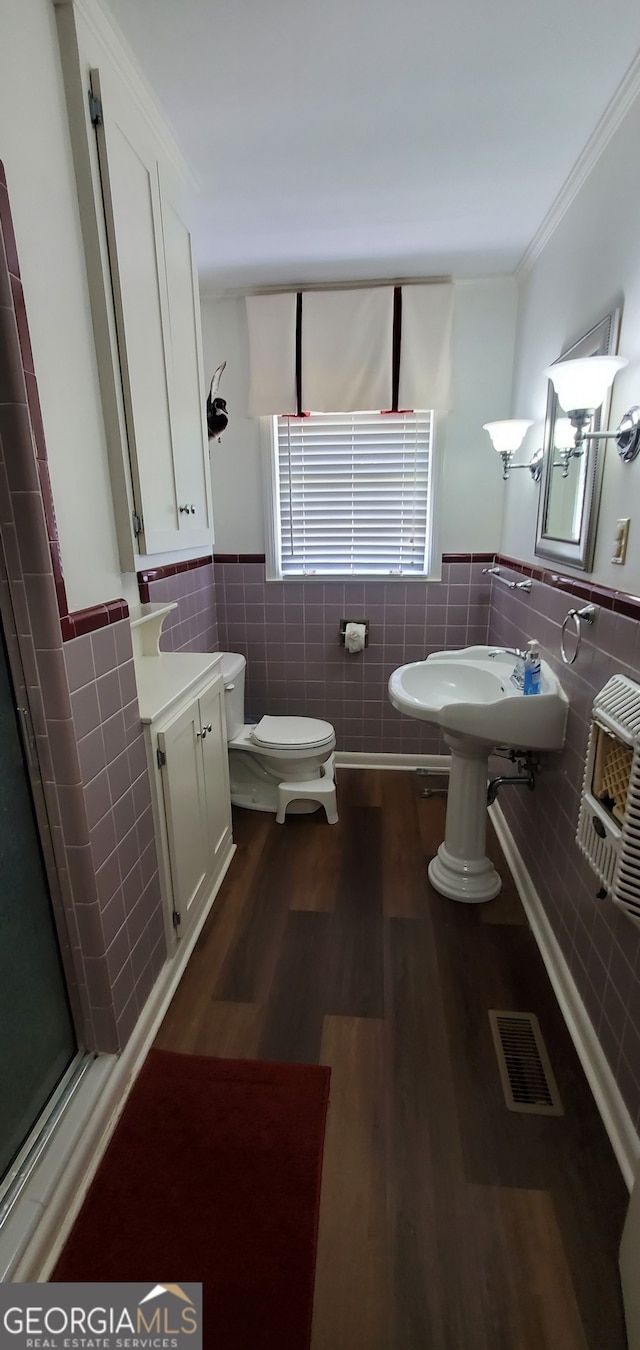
620	541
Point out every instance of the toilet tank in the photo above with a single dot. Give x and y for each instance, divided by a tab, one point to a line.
233	666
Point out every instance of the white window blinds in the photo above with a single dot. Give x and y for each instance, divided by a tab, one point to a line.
353	493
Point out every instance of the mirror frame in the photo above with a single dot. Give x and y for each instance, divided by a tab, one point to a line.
601	340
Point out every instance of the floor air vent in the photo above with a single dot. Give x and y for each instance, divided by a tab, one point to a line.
527	1078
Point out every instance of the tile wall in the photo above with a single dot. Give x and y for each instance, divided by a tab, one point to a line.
600	943
289	632
121	932
193	626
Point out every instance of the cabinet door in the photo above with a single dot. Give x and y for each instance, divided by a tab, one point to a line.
129	174
157	320
187	401
186	812
216	773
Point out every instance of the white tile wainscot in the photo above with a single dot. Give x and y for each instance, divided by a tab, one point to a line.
181	699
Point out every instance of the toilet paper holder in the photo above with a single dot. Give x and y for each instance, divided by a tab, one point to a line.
343	628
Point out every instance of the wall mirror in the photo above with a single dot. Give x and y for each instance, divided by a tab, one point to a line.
570	487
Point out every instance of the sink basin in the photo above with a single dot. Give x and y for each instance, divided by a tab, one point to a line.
470	694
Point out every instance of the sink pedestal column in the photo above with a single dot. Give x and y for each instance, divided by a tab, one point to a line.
461	869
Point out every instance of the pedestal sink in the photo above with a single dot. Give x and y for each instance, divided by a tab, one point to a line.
469	694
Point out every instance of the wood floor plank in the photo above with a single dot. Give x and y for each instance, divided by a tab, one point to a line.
543	1312
436	1252
360	787
230	1031
404	873
355	969
316	848
294	1015
247	972
351	1309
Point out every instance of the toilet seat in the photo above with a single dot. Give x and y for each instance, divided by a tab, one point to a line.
292	733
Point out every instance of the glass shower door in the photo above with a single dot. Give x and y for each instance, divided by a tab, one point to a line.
37	1038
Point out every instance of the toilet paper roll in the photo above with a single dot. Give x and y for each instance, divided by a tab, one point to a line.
354	635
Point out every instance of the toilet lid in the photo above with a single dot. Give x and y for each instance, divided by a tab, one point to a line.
296	732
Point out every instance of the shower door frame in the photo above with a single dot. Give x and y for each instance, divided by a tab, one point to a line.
21	1165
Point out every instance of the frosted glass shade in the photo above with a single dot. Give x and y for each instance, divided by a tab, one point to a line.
507	436
584	382
564	435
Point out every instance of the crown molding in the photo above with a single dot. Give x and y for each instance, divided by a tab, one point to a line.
613	115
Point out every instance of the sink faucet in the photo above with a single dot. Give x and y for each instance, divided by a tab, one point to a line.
507	651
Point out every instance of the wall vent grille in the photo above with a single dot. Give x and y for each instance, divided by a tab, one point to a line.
609	822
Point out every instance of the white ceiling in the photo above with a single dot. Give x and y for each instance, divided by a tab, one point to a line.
341	140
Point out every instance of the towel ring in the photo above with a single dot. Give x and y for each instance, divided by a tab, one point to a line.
588	613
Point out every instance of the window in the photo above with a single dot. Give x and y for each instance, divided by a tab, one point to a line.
352	494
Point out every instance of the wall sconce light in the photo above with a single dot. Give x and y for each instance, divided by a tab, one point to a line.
581	387
507	437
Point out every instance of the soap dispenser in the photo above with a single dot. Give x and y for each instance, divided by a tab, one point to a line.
531	681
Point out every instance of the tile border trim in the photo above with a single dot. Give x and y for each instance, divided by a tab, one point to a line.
83	621
620	602
174	569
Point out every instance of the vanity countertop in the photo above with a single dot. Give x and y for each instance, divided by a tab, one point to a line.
164	678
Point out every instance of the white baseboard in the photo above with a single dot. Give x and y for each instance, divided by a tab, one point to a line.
52	1199
623	1136
372	759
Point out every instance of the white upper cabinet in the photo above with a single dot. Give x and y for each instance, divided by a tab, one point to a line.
135	206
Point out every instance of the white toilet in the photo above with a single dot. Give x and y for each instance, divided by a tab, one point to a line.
281	763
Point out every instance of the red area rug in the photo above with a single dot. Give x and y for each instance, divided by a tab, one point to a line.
213	1175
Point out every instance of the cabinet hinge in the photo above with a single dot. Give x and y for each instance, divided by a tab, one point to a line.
95	110
137	523
161	757
177	918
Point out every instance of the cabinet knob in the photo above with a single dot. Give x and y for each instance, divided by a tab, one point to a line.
193	509
209	726
183	510
203	732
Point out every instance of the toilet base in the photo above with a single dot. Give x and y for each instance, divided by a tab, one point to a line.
255	779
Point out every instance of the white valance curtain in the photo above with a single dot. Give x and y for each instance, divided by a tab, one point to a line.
347	343
335	351
272	354
425	351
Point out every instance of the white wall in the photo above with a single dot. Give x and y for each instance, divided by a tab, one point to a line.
236	482
35	148
590	263
470	509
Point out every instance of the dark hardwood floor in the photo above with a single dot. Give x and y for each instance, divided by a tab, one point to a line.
447	1222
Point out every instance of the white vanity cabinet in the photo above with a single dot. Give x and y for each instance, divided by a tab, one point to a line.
181	698
135	204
